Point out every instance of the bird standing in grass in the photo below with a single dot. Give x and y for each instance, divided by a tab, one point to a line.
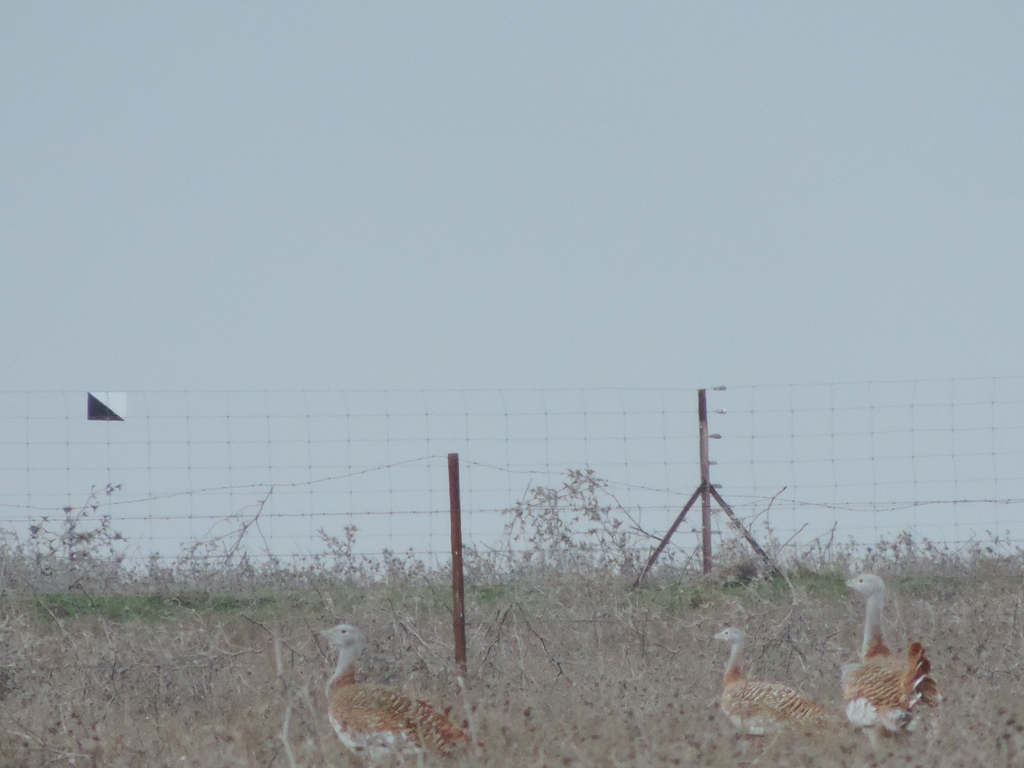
884	691
376	721
757	706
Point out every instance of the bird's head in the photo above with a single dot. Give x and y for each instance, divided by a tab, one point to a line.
343	636
731	635
866	584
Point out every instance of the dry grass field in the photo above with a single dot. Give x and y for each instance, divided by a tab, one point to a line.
567	667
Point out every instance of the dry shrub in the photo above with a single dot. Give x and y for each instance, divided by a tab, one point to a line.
201	663
578	670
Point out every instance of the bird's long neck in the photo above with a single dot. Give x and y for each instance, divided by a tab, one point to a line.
734	667
345	672
874	645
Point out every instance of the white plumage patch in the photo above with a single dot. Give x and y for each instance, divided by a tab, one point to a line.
862	713
376	746
753	726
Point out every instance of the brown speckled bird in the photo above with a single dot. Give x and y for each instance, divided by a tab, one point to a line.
376	721
883	691
757	706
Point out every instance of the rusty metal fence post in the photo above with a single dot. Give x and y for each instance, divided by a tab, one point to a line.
458	586
705	479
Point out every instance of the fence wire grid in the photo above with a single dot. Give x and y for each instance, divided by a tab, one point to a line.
854	462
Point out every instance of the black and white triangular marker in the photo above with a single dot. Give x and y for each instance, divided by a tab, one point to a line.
107	406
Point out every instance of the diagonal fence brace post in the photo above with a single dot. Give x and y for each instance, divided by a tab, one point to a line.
668	535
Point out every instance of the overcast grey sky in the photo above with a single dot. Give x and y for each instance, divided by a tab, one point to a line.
406	195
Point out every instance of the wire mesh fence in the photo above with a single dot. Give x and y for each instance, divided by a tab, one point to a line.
288	474
941	459
190	466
